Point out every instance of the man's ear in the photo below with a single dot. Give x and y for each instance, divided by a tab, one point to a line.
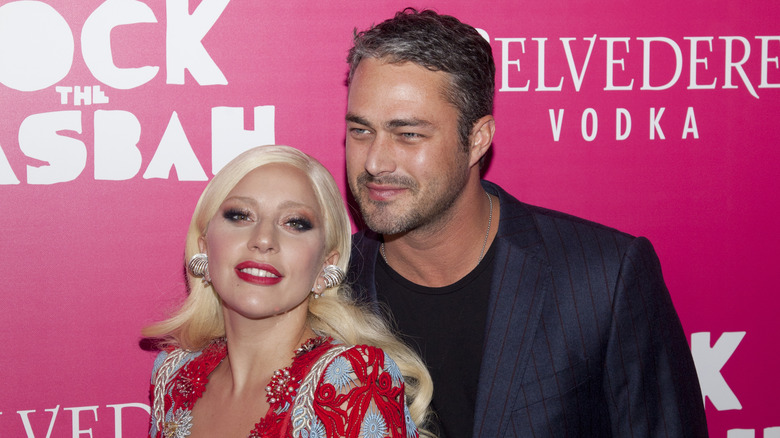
481	138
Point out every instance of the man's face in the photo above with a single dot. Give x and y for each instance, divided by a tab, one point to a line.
404	163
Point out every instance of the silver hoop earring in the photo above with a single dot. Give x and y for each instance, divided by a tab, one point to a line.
199	266
333	276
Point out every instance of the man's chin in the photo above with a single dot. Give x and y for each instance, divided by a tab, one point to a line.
380	223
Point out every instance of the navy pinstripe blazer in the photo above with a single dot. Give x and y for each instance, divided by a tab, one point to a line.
582	339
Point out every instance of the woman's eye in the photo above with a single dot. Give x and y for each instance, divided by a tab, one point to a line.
299	224
236	215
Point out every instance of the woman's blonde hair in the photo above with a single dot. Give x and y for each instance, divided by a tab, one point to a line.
199	320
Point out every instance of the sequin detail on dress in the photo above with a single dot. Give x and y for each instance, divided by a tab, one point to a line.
364	394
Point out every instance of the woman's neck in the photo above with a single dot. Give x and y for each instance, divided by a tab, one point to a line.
258	348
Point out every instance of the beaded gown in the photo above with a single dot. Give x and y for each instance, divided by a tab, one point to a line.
358	393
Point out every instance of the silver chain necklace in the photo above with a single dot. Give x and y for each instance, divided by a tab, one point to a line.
484	242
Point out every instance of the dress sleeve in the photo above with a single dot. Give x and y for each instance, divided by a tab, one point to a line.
153	431
361	395
167	364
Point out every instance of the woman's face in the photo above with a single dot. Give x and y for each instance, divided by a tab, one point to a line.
266	243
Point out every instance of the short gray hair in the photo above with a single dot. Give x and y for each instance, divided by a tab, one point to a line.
438	43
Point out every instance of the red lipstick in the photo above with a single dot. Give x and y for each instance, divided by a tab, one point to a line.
258	273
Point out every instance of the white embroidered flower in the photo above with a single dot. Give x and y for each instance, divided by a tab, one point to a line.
411	428
339	373
317	429
373	426
392	368
179	426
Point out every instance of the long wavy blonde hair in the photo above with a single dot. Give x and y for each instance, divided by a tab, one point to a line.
199	320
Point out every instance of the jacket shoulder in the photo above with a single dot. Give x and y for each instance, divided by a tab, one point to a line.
556	236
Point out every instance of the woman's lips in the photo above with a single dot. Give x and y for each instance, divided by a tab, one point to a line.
258	273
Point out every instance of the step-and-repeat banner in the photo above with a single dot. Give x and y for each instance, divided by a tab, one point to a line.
660	118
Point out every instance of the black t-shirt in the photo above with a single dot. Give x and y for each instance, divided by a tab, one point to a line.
446	325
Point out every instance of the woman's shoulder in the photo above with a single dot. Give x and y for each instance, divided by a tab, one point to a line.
360	364
362	389
171	358
177	365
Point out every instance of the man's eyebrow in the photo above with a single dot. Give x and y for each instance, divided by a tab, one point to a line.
391	124
400	123
357	119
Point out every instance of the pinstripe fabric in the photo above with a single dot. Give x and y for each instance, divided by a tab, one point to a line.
582	339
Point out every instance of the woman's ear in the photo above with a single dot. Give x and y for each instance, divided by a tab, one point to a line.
332	258
202	247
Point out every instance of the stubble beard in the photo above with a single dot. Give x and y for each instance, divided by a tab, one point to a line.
421	210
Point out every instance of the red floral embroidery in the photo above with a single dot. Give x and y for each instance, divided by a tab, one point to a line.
364	394
193	377
373	391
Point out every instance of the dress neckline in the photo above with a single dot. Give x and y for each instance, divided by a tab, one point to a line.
280	392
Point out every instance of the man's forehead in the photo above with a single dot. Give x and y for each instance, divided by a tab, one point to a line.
372	68
399	82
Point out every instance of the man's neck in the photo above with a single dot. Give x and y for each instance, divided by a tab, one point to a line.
441	253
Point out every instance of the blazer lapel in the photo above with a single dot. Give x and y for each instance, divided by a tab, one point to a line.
521	279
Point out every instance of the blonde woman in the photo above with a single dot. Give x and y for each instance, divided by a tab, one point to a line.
268	343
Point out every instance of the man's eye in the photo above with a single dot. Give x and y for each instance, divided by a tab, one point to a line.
359	131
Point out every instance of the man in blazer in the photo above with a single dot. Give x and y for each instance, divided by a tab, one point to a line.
532	322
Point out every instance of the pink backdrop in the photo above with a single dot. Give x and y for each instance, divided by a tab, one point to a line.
114	113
